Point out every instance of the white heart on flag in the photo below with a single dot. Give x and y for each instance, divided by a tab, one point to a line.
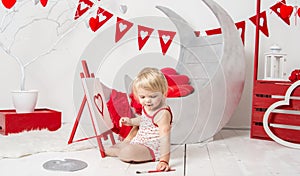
83	5
101	17
122	27
143	34
165	38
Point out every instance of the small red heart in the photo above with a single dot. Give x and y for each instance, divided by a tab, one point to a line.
8	3
94	23
298	12
99	103
286	11
44	2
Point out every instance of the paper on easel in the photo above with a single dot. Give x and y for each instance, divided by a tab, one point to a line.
97	105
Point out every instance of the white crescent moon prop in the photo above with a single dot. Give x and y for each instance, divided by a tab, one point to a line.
216	67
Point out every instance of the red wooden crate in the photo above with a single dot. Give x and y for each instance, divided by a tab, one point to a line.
263	97
12	122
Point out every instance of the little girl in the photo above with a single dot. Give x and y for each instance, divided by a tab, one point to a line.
152	140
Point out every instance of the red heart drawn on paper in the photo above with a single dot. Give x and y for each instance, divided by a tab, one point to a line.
99	103
8	3
286	11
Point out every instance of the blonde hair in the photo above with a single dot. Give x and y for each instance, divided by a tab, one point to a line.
150	79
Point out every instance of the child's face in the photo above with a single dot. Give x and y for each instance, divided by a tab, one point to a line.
150	100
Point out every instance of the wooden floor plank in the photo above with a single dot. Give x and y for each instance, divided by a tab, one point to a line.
260	157
176	162
221	159
198	160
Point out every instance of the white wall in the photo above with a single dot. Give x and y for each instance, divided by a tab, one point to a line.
33	30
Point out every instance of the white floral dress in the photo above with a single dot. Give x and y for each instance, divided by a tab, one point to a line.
148	133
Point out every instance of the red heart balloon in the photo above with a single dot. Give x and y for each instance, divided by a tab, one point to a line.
286	11
8	3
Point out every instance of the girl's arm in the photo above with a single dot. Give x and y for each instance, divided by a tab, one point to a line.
130	121
163	119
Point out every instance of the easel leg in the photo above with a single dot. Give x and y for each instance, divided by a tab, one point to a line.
77	120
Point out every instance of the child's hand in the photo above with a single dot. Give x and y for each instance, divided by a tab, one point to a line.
125	121
163	166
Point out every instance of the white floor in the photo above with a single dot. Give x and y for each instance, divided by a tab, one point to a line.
231	153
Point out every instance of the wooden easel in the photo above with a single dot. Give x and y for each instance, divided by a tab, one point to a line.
87	74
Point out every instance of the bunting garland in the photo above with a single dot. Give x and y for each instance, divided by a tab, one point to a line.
263	25
101	18
165	38
122	28
281	9
143	35
82	7
241	26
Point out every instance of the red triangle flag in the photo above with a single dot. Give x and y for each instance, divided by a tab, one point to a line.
262	27
276	8
82	7
213	31
101	18
241	28
122	27
165	38
197	33
143	35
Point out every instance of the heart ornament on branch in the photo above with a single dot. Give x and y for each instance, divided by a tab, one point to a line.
286	11
8	3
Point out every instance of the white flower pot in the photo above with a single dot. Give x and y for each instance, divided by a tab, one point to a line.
24	100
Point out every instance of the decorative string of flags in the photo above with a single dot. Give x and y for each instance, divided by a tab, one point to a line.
281	9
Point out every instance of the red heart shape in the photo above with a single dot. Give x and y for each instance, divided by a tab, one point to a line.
299	12
8	3
94	23
44	2
286	11
99	103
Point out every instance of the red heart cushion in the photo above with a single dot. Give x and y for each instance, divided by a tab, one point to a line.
168	71
177	79
180	90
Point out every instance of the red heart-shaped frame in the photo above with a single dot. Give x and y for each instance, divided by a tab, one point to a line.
99	103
